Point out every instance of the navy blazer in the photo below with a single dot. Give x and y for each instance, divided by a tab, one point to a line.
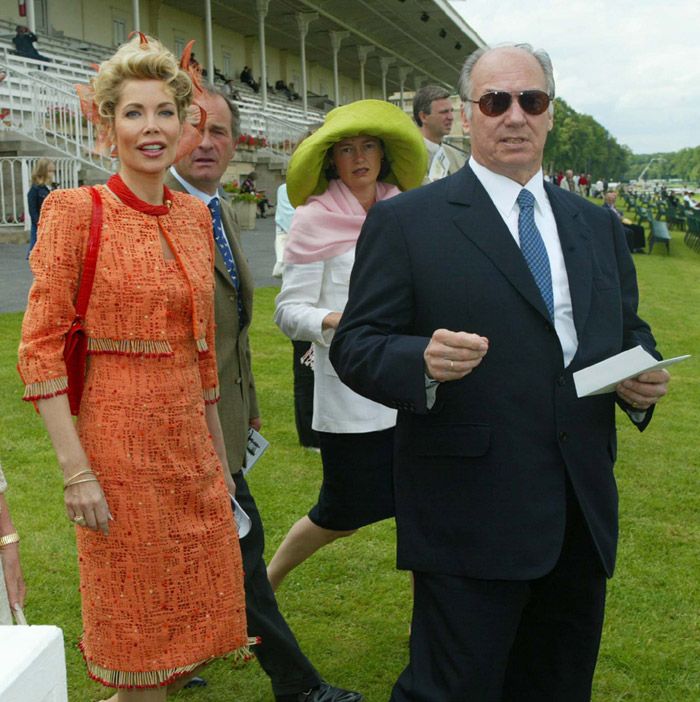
480	477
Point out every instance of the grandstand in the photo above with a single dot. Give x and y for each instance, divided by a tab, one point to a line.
328	53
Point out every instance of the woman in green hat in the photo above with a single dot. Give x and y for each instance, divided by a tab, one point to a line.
365	151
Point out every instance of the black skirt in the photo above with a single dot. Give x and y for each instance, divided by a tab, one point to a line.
358	482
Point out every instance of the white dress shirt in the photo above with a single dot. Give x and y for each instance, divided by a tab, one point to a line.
504	193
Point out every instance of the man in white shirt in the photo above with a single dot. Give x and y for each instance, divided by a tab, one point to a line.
434	115
293	677
500	287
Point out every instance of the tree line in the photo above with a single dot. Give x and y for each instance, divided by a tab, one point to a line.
578	142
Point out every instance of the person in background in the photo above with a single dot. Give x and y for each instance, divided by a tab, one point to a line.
293	677
434	115
24	44
12	587
43	177
634	233
303	373
146	479
473	300
568	182
249	186
335	177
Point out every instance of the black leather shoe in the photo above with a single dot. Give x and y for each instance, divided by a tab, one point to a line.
323	693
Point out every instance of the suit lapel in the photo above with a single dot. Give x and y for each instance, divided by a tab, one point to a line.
575	238
245	277
480	222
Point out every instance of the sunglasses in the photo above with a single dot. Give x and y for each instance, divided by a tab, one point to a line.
495	103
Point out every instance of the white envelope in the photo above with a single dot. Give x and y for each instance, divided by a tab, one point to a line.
243	521
605	376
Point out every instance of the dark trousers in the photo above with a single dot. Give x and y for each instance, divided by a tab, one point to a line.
278	653
303	396
634	233
509	641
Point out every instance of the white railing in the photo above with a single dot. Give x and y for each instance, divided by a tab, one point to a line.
281	136
48	112
15	181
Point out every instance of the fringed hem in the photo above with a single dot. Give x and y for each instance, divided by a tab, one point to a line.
211	395
45	389
122	679
202	345
130	347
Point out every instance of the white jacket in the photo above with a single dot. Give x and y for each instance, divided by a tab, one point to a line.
309	292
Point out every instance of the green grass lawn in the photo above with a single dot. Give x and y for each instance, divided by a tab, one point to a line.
348	606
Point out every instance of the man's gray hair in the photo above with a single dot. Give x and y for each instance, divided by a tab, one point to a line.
423	99
465	76
235	114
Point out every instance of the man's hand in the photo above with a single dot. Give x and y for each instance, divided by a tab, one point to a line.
255	423
645	390
452	355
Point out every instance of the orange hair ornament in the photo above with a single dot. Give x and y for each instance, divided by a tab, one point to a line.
195	115
196	118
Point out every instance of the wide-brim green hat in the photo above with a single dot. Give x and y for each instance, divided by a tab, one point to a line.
403	147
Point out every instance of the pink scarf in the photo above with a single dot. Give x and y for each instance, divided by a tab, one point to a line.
329	224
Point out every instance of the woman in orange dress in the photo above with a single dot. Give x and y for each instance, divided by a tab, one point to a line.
145	467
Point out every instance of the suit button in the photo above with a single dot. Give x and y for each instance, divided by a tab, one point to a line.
238	381
561	380
232	297
548	327
563	436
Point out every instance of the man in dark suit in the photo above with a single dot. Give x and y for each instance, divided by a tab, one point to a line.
634	233
472	302
293	677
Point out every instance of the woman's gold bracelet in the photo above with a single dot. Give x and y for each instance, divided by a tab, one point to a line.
67	481
9	539
77	482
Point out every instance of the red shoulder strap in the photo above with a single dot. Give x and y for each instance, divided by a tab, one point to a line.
90	263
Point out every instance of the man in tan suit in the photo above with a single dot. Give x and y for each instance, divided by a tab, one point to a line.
293	677
434	115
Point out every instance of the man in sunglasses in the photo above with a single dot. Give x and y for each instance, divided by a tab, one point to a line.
499	287
433	113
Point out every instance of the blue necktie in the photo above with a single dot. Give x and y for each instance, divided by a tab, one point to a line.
225	249
533	249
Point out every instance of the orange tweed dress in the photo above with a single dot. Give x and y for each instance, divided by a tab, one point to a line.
164	591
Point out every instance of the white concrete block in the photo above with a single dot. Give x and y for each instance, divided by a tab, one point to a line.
32	664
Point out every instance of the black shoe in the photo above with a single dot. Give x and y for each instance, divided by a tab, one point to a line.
195	682
323	693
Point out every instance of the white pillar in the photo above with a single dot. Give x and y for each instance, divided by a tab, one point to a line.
336	41
31	16
385	62
209	39
403	74
262	6
362	53
136	12
418	79
304	19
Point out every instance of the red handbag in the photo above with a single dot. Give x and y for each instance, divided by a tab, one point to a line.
75	348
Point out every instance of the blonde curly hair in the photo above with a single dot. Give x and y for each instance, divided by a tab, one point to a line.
141	58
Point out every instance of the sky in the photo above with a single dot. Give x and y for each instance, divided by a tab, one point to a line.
633	65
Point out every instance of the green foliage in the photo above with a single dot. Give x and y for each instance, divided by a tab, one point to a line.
348	605
683	165
580	143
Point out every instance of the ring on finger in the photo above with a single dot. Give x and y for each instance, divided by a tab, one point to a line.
452	364
79	520
635	405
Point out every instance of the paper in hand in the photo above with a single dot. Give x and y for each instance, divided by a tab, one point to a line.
256	446
608	374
